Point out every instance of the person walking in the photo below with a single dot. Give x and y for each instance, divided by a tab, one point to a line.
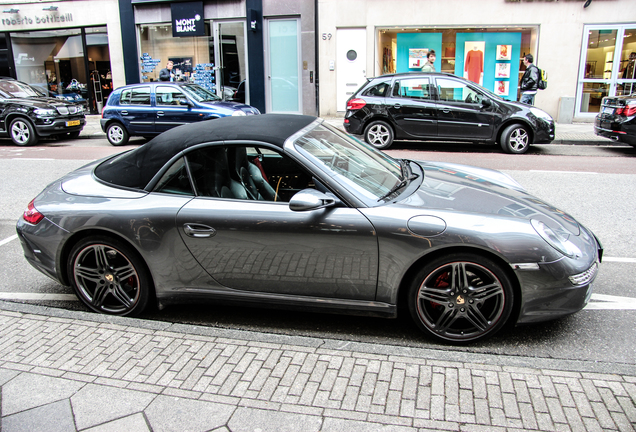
166	73
430	59
529	81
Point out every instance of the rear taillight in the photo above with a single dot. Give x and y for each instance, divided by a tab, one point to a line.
628	110
355	104
31	215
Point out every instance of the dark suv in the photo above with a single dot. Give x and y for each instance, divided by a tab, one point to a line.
442	107
148	109
26	114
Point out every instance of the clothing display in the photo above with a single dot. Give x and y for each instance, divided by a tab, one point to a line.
474	65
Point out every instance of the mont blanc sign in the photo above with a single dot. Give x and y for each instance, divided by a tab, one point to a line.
187	19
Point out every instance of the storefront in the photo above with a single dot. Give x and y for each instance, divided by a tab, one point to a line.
63	48
481	41
263	60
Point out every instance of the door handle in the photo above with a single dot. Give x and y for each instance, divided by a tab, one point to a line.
397	106
198	231
124	112
445	110
159	113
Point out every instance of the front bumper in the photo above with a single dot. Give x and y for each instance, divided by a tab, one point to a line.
49	127
545	132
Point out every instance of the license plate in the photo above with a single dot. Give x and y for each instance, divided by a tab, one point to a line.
608	110
73	123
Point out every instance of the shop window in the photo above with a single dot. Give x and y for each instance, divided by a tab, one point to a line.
135	96
412	88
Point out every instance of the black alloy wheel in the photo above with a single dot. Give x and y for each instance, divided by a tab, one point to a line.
22	132
117	134
108	277
379	134
515	139
461	298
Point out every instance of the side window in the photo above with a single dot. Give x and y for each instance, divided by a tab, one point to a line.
246	172
413	88
455	91
377	90
135	96
167	95
175	180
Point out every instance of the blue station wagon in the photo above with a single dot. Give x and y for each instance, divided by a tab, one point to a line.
149	109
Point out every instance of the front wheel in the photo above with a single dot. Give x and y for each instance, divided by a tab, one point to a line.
22	132
461	298
117	134
515	139
379	134
109	277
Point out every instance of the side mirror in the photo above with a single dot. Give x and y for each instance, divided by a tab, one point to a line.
486	102
311	199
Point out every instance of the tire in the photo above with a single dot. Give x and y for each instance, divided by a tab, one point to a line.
379	134
515	139
117	134
22	133
108	277
461	298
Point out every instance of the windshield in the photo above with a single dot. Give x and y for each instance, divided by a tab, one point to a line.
18	89
199	94
354	164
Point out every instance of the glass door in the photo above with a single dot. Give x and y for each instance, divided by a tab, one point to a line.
607	67
230	56
283	73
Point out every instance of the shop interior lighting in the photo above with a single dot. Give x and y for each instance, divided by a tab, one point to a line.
50	8
12	10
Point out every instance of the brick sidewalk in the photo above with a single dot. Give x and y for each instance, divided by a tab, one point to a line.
83	370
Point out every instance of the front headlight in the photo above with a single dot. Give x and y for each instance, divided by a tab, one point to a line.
541	114
238	113
558	242
44	112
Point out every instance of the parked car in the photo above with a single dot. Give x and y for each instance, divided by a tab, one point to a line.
442	107
26	114
617	119
149	109
287	210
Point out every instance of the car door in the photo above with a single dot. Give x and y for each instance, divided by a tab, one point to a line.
461	113
136	112
172	108
262	245
412	108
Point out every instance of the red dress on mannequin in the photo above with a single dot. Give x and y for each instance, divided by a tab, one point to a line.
474	65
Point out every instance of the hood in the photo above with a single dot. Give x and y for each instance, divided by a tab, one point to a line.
470	189
232	106
41	102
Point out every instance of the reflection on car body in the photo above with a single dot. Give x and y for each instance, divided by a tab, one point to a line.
287	211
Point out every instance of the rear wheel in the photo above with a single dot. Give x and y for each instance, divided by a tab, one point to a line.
117	134
109	277
379	134
461	298
515	139
22	132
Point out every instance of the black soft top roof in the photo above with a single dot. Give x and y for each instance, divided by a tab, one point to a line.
137	167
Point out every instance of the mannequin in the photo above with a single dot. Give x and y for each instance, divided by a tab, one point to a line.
474	65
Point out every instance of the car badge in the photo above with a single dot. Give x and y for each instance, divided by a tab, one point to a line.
109	277
460	300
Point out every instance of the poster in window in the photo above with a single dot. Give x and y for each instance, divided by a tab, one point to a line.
502	87
502	70
417	57
504	52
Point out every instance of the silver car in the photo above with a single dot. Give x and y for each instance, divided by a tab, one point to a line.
286	210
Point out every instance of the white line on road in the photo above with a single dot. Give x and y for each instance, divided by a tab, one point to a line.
37	296
8	239
615	259
564	172
603	301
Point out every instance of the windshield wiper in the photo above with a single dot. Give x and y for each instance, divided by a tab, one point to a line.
407	176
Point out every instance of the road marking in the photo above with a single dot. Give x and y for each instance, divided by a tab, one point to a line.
564	172
37	296
603	301
624	260
8	239
33	159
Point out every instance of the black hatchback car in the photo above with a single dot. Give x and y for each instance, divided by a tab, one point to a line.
442	107
617	119
26	114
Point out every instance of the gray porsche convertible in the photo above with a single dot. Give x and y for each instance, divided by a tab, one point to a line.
287	211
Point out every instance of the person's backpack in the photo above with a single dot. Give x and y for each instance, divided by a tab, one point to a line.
543	79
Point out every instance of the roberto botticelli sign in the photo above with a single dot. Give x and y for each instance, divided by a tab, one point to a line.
187	19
